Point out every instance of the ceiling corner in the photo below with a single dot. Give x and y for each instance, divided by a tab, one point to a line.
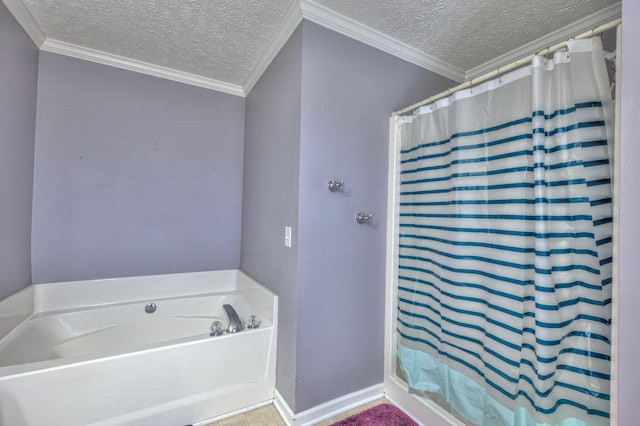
26	20
332	20
285	30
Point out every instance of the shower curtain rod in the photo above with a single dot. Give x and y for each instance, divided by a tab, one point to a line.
502	70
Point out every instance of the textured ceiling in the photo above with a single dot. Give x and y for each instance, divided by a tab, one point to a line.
466	33
227	40
220	39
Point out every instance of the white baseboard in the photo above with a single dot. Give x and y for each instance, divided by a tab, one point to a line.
422	410
328	409
283	408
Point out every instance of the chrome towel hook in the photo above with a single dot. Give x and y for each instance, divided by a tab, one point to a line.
335	185
363	217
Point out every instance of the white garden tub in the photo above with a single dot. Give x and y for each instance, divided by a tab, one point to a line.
87	352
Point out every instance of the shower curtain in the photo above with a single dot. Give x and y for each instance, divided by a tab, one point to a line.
505	250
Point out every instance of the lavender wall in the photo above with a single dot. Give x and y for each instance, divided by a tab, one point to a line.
18	93
348	92
270	195
134	175
321	111
628	288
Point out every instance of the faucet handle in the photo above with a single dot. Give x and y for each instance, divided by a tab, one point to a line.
216	329
254	322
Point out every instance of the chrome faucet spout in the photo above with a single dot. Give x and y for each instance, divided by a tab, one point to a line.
235	324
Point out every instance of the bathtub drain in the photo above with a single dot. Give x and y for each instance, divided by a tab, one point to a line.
150	308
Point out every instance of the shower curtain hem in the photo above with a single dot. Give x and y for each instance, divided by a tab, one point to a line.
460	395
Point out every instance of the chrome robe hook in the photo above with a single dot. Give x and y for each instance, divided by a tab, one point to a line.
335	185
363	217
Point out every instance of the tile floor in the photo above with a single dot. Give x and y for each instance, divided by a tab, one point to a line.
268	416
263	416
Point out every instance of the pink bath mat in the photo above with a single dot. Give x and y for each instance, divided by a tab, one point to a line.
380	415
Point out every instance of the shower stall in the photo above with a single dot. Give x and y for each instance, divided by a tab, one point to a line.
501	247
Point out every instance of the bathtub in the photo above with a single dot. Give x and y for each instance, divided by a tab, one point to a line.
88	353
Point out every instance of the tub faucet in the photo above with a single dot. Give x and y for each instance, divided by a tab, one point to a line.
235	324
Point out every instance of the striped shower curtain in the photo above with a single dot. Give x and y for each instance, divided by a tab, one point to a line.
505	225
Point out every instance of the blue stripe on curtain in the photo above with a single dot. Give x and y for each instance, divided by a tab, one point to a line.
504	255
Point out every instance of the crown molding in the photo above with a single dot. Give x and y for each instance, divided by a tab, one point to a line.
286	29
326	17
314	12
26	20
603	16
92	55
